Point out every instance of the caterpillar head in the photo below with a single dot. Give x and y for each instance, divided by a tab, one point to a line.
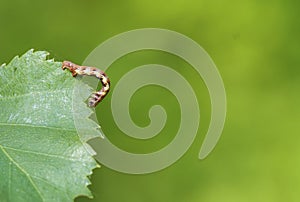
70	66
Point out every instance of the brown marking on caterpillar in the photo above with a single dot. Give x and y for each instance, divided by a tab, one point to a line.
98	96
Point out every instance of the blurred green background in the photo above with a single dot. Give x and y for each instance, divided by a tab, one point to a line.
255	47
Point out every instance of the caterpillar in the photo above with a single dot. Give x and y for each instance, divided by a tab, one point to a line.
98	96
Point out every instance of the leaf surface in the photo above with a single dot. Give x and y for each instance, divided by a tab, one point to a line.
44	127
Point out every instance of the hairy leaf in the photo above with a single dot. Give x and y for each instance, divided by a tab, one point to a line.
44	127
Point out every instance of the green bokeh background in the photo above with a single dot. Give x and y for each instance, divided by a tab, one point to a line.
255	45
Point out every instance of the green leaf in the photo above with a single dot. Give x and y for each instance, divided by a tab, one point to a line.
44	126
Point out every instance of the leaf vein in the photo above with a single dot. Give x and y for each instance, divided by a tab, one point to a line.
54	186
22	170
36	126
43	154
33	93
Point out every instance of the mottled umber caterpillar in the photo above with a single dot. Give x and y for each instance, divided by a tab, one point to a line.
90	71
